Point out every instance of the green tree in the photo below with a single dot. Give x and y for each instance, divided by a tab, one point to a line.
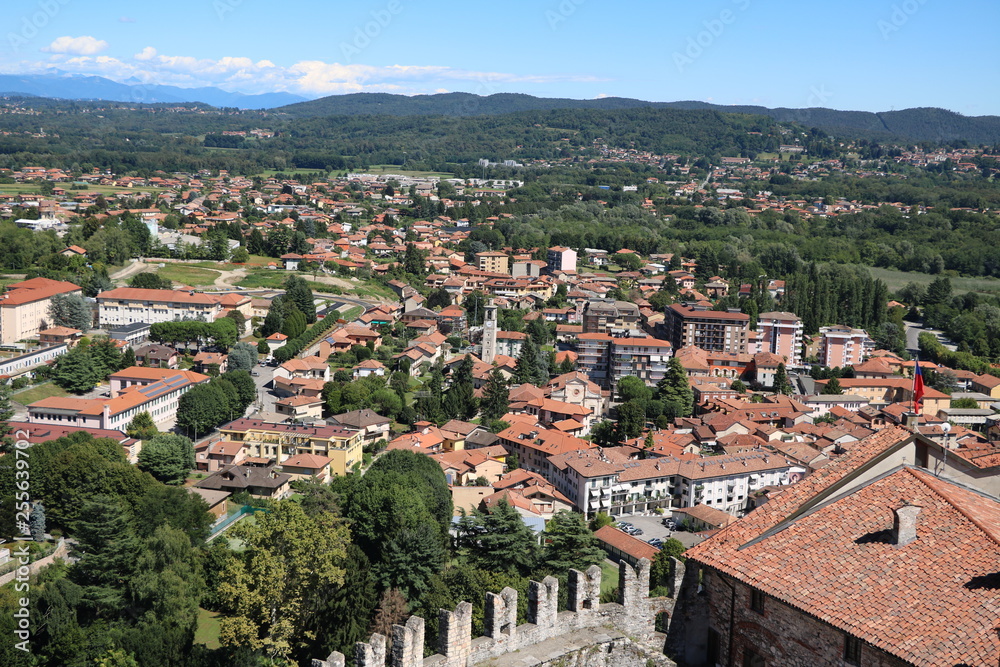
167	457
530	364
105	549
631	388
438	298
413	260
141	427
496	397
71	310
255	243
475	307
460	401
243	357
75	371
833	387
600	520
782	384
498	540
659	572
675	389
6	414
294	324
570	544
631	418
297	292
150	281
264	591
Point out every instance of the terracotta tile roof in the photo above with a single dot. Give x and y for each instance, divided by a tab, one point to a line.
158	295
625	543
35	289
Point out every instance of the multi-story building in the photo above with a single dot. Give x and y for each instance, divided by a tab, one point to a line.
24	307
493	262
841	346
159	398
509	343
781	334
606	359
723	331
605	316
561	259
280	441
127	305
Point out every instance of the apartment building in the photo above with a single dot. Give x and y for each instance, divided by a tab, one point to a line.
605	316
281	441
493	262
841	346
561	259
606	359
781	334
24	307
710	330
127	305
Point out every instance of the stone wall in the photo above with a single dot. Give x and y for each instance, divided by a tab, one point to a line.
633	617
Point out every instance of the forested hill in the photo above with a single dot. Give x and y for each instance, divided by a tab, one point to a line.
924	124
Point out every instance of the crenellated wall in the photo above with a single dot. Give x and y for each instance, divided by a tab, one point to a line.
633	616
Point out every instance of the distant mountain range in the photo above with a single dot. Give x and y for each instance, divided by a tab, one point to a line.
74	87
923	124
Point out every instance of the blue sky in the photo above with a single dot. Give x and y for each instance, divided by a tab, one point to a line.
868	55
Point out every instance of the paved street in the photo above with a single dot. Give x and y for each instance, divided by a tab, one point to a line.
651	527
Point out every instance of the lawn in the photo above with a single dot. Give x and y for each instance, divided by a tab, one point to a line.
207	632
609	576
374	290
894	280
188	275
37	393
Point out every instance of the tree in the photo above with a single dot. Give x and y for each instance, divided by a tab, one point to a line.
294	324
36	522
246	388
128	358
75	371
71	310
150	281
255	243
105	548
739	386
832	387
142	427
600	520
392	610
659	572
167	457
938	292
460	401
675	389
263	347
498	540
275	318
782	384
496	395
297	292
964	403
6	414
570	544
475	307
438	298
288	555
631	418
631	388
243	357
413	260
529	365
240	255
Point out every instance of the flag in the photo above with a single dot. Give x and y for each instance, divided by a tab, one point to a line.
918	387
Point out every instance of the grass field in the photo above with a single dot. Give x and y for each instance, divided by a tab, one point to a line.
894	280
188	275
609	576
373	290
32	188
37	393
207	632
276	280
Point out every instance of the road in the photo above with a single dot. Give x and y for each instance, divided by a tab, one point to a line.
913	332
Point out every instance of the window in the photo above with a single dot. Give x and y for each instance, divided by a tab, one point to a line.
752	659
757	601
852	650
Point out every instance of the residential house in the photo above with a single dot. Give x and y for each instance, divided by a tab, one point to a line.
278	442
24	307
371	426
259	482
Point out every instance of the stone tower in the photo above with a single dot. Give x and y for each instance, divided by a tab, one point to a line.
490	333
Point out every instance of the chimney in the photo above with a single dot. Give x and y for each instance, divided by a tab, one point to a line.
910	420
904	524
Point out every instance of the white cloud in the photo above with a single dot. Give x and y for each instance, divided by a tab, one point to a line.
601	96
82	46
307	77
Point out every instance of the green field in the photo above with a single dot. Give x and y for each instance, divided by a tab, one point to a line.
275	279
894	280
32	394
207	632
188	275
32	188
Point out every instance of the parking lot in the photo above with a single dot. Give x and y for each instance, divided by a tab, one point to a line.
651	527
